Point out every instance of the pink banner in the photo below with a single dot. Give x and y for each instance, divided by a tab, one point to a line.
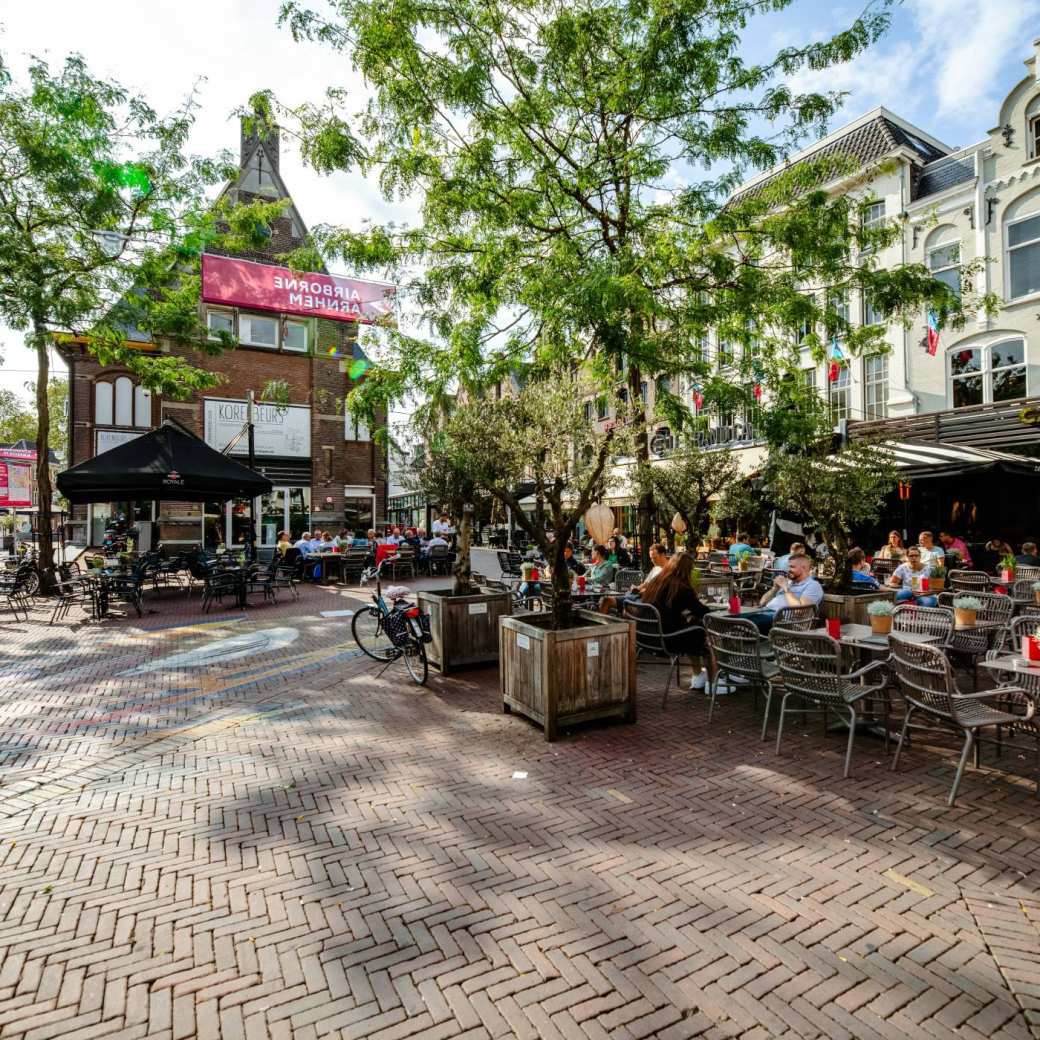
243	283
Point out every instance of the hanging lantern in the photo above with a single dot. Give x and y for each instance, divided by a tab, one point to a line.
678	524
599	519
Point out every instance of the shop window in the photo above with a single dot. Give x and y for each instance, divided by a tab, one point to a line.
357	514
1023	257
255	331
987	374
945	264
294	336
220	321
875	386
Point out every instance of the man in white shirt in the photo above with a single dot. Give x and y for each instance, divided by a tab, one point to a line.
303	543
931	554
442	526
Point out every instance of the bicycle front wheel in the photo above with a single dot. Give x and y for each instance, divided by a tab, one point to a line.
369	633
415	661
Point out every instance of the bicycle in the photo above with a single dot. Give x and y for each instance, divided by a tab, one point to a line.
390	633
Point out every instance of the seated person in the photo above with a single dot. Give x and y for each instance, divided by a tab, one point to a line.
658	559
908	575
930	552
741	545
411	537
955	548
303	543
781	562
317	541
393	536
283	543
343	539
364	542
618	554
797	588
574	565
861	576
327	544
1028	556
893	549
602	570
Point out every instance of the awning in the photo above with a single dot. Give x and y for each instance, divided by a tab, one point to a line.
925	460
165	464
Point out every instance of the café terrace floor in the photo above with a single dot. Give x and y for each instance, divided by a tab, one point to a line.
228	825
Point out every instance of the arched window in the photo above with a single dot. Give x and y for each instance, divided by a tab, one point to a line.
1022	246
103	404
1033	127
943	253
142	407
988	372
119	402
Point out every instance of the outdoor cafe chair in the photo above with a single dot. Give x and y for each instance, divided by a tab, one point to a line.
926	679
810	666
1027	573
968	581
18	589
627	578
882	569
218	585
128	588
936	622
402	560
438	559
651	640
74	591
798	619
738	652
510	563
970	644
1022	594
354	562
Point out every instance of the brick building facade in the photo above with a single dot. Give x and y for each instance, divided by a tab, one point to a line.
327	471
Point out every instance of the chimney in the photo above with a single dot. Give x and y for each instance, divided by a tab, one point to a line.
270	141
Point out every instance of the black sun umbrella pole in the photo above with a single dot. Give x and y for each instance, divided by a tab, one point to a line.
251	537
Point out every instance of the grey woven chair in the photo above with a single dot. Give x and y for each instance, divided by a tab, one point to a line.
926	679
925	621
810	665
970	644
1027	573
652	642
882	569
627	578
738	652
968	581
1022	593
799	619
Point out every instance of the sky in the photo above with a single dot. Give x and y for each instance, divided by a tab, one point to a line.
945	65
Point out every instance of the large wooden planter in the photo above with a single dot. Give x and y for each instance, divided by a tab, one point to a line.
853	608
560	678
464	628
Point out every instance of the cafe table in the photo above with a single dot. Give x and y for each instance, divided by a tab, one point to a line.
863	637
332	560
1026	673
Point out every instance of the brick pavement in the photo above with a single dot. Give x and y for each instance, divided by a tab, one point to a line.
282	844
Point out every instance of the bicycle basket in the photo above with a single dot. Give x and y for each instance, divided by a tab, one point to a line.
397	628
424	627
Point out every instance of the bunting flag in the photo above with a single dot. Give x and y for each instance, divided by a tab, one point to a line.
837	360
698	398
833	372
933	332
758	391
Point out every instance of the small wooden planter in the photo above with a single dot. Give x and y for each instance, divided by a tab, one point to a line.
464	628
853	609
577	675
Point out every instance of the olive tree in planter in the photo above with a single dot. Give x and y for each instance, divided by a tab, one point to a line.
463	619
834	493
563	665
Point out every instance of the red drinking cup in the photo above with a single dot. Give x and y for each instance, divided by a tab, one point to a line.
581	582
834	627
734	604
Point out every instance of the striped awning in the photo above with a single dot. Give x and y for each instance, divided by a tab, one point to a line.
921	460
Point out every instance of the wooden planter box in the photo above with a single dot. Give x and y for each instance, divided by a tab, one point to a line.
853	608
560	678
464	628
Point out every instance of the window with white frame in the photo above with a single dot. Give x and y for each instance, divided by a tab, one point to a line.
1023	257
809	378
355	429
838	394
220	321
872	314
1034	137
840	314
875	386
872	217
294	335
255	330
118	402
988	373
945	264
602	408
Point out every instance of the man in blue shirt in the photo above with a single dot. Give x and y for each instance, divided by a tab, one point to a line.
798	588
738	547
304	543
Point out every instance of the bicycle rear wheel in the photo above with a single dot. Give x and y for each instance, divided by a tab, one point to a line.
415	661
369	633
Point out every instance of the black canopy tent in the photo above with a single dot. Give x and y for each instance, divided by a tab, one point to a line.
169	463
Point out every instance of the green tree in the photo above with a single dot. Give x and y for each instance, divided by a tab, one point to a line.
688	481
538	438
574	164
17	422
103	217
832	494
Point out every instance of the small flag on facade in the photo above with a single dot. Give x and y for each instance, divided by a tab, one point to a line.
933	332
832	372
758	391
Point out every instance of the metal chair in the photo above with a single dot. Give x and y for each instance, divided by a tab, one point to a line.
926	680
810	666
128	588
798	619
219	585
737	650
438	559
1022	594
968	581
882	569
652	640
402	560
510	563
926	621
1027	573
972	643
626	579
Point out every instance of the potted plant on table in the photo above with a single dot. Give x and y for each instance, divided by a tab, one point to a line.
937	578
1007	568
880	613
561	665
965	611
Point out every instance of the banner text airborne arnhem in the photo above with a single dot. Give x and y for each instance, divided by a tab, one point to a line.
319	295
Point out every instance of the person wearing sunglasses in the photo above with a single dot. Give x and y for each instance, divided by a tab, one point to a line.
907	577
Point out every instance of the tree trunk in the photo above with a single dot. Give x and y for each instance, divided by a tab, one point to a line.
645	506
43	473
563	606
462	570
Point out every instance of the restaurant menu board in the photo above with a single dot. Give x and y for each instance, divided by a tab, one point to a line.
15	484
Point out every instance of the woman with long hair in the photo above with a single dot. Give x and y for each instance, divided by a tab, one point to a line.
672	593
893	549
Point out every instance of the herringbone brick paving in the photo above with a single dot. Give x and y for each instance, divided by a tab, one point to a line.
282	844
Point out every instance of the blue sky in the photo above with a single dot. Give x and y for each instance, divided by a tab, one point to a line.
945	65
